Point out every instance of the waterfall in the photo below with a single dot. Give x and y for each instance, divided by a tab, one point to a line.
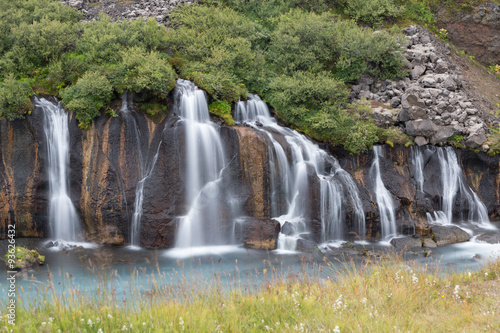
418	167
205	162
454	184
290	175
384	198
145	170
63	219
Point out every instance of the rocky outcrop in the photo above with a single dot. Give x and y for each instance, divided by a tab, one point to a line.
127	10
476	30
432	104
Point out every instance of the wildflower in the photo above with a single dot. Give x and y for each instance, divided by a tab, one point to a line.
414	279
124	328
455	292
99	330
469	273
371	315
336	329
51	319
44	323
90	323
364	301
98	320
143	324
486	274
110	316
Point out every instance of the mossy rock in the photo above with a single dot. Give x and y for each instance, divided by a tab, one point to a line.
25	258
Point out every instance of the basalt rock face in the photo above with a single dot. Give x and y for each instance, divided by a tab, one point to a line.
398	174
109	160
23	195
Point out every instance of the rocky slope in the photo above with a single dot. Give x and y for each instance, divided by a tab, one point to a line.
433	104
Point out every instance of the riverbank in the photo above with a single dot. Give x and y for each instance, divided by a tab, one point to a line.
388	295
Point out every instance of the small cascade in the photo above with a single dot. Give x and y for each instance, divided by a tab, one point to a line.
63	219
290	176
418	165
205	162
145	170
384	198
455	185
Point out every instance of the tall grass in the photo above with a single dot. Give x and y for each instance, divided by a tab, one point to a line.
375	296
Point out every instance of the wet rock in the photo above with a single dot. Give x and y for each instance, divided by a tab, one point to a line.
260	233
489	238
287	229
421	128
305	245
406	242
448	234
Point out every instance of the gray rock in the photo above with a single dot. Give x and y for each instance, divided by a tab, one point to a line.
448	234
475	141
410	99
429	82
417	71
421	141
305	245
449	84
421	128
395	102
416	112
443	134
287	228
441	67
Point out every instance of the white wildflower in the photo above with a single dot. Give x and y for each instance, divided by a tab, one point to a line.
414	279
336	329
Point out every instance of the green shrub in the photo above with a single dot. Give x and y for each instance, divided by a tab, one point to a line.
372	12
91	93
213	47
14	98
361	137
141	71
314	43
393	135
222	110
303	94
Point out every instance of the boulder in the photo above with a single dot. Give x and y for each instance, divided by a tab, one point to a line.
260	234
421	128
417	71
287	229
448	234
421	141
442	134
305	245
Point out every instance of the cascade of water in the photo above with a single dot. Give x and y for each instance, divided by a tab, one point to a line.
290	178
63	219
454	184
145	170
418	165
384	199
205	162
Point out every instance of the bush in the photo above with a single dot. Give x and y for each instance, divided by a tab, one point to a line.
213	47
14	98
141	71
88	96
372	12
222	110
303	94
314	43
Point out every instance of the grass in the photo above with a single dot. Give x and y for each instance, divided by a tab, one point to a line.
380	297
376	296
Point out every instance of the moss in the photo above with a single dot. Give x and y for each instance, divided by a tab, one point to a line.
456	141
153	109
25	258
222	110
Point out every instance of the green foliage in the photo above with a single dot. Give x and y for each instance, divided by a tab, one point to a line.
372	12
102	41
310	42
14	98
24	258
91	93
153	109
394	135
141	71
303	94
222	110
215	45
456	141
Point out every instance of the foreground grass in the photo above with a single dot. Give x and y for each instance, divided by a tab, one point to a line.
387	296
